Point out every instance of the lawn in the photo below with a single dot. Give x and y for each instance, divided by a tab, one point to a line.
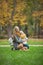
35	41
4	42
31	41
34	56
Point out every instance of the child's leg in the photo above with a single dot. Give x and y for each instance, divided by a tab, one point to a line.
26	45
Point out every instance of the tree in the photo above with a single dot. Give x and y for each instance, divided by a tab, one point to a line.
11	11
19	12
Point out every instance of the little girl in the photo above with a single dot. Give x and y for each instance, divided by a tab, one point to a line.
24	38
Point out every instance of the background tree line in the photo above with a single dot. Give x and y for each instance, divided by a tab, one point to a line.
27	14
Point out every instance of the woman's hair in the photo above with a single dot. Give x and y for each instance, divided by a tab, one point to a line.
16	28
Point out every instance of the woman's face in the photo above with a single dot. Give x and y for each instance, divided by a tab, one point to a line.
16	29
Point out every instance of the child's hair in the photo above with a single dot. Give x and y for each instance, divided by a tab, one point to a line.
22	34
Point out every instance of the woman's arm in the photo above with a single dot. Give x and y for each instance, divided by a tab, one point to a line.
18	39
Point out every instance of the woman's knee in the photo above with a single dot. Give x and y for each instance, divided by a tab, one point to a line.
20	46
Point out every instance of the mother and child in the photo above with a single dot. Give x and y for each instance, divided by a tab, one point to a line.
18	40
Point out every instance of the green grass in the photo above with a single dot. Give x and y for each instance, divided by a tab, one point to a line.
4	42
36	41
31	41
34	56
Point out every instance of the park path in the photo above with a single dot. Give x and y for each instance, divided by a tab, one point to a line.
29	45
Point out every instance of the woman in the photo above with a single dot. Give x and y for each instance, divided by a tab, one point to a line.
17	41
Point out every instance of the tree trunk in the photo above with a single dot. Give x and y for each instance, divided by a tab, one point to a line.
14	5
9	30
39	29
26	30
35	28
9	26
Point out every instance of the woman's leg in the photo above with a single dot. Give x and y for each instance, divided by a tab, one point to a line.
20	46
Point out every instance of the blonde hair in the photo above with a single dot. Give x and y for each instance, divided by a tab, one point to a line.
23	35
16	30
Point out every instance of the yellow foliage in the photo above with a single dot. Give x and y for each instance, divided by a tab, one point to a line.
6	12
4	5
20	6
